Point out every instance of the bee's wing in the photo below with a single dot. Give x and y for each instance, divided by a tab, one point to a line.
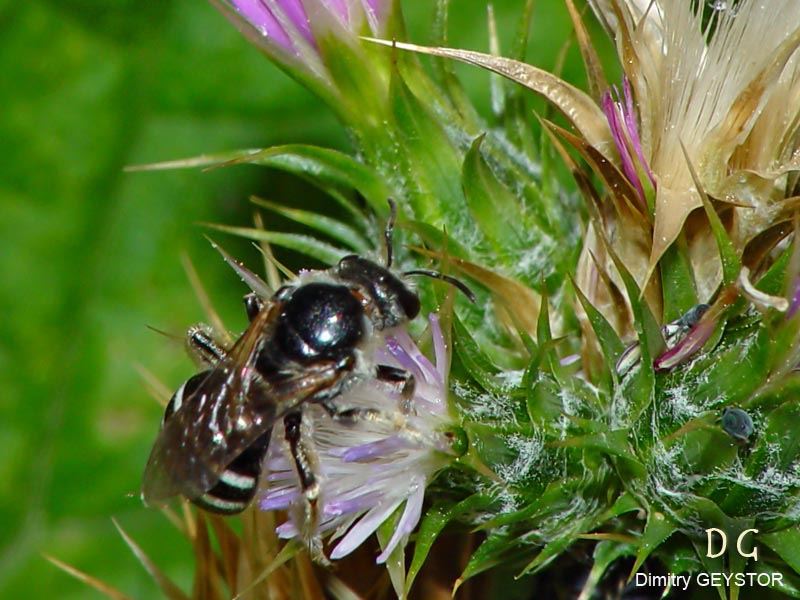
229	411
214	426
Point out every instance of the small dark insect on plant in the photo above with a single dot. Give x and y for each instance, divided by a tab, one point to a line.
307	343
737	424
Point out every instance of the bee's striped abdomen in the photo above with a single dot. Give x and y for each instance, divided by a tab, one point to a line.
239	481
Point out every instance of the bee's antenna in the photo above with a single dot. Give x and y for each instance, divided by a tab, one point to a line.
388	232
451	280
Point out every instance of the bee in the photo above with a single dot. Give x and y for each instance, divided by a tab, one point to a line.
306	343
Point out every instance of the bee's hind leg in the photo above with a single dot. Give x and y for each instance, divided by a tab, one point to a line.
204	345
306	465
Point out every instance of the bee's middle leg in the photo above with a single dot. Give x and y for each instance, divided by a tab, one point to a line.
303	455
305	462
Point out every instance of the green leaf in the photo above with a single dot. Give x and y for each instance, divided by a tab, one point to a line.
584	114
610	343
323	167
494	208
477	364
320	223
544	403
548	553
304	244
656	532
773	281
677	282
651	342
443	69
614	444
434	237
434	521
731	265
489	554
605	553
625	503
395	563
788	582
432	164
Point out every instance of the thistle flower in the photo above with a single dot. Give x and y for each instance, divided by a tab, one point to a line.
727	93
297	33
369	469
622	121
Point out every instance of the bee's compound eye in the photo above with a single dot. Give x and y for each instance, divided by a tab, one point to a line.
737	424
349	262
409	301
183	393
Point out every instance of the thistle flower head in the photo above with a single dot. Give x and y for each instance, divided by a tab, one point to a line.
371	468
292	32
722	97
622	121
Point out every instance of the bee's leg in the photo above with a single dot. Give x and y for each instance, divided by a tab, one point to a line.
400	379
305	462
349	416
203	345
253	303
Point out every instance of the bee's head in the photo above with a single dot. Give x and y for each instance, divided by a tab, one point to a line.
393	302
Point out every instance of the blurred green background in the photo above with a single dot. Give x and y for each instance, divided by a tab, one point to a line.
91	255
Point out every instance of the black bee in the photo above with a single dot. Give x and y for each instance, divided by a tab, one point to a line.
307	343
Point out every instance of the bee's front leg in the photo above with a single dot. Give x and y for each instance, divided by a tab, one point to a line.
402	380
306	465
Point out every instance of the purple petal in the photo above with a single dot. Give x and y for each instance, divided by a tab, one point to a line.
611	111
279	475
337	508
340	9
260	17
408	521
365	527
569	360
406	346
402	357
279	499
287	530
795	302
688	346
295	13
366	452
377	11
633	129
